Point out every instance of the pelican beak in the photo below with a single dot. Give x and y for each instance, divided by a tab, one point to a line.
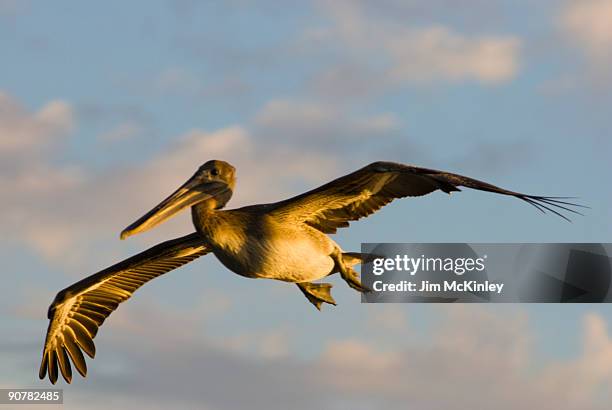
190	193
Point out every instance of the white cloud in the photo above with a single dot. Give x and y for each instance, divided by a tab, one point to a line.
21	130
409	54
476	357
28	141
584	378
439	53
587	24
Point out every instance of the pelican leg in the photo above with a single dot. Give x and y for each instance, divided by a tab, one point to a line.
344	266
317	293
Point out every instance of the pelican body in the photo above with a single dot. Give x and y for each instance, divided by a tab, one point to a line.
254	244
286	241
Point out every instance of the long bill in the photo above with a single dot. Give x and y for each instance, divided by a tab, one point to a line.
190	193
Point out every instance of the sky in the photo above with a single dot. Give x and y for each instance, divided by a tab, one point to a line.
106	108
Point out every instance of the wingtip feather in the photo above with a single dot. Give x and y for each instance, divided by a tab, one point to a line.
42	372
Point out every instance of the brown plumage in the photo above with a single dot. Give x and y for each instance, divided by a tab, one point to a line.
368	189
285	241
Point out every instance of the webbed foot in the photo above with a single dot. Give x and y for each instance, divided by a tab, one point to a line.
344	263
317	293
352	278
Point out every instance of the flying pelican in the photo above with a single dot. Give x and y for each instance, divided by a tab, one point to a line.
286	241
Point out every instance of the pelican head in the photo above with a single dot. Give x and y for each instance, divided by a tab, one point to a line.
212	183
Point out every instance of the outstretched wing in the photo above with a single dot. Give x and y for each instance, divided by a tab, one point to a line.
368	189
79	310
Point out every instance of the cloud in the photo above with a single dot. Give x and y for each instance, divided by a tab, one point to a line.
475	357
583	378
409	54
29	140
586	23
24	131
438	53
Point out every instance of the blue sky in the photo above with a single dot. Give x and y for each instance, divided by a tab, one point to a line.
105	109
